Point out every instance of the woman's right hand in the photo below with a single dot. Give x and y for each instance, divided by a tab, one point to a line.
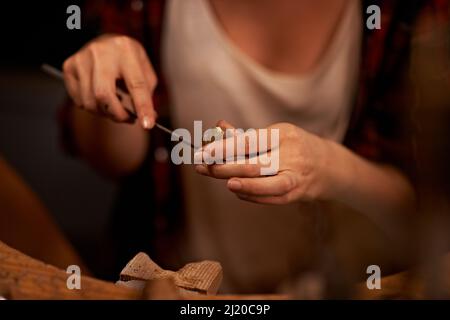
91	73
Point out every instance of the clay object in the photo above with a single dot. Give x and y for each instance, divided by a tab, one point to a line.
202	277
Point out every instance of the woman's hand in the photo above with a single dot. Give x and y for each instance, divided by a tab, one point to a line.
90	76
312	168
302	175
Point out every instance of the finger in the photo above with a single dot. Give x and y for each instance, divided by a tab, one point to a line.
224	125
141	93
226	171
277	185
276	200
84	74
104	83
71	83
149	73
243	144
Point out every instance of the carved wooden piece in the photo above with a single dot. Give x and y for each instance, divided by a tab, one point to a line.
199	277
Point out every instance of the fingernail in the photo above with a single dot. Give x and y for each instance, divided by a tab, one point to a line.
147	123
234	185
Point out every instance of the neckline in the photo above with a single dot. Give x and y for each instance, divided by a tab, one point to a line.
288	78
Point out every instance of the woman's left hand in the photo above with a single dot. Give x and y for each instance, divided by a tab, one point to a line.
303	172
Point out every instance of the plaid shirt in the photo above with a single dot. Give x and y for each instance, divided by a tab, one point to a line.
378	130
381	127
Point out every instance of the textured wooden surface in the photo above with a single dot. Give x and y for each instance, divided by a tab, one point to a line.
22	277
425	282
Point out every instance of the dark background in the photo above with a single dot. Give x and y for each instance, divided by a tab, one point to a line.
34	32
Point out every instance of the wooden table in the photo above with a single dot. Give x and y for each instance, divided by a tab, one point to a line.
22	277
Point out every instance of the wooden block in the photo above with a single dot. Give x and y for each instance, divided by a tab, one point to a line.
141	267
201	277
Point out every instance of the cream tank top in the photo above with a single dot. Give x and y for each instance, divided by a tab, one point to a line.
211	79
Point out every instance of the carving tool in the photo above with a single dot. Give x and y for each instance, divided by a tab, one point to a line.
123	97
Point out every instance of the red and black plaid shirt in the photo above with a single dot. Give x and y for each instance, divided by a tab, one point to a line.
381	127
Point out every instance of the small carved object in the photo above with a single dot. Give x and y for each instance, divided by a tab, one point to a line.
194	278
